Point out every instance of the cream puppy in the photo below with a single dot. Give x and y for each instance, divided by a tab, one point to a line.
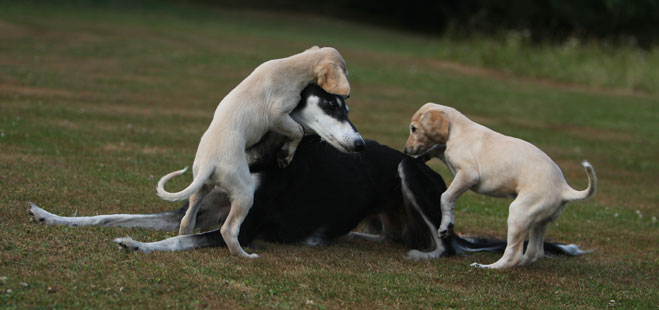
262	102
496	165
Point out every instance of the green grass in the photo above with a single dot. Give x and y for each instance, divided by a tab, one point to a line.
97	103
595	64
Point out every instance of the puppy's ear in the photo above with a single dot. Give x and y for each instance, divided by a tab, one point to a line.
436	125
313	48
332	79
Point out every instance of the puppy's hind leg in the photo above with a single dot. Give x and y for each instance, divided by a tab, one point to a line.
241	188
518	228
535	249
189	221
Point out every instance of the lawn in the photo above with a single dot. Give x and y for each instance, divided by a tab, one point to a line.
96	103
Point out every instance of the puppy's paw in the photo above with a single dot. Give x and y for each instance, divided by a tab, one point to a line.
444	232
284	158
250	256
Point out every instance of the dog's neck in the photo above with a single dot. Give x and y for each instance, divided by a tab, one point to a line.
458	123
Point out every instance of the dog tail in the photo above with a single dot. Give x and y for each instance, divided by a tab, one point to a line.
196	184
570	194
462	246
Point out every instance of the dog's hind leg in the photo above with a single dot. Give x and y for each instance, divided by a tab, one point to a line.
367	237
535	248
189	221
519	225
166	221
250	229
240	186
178	243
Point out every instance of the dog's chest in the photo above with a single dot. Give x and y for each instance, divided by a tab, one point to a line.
446	158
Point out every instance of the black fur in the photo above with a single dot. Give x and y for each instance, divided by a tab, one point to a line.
324	194
331	105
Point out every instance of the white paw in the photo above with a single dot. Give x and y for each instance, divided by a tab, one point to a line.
417	255
251	256
39	215
477	265
130	245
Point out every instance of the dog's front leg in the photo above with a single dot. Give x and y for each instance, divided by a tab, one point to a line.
294	132
462	182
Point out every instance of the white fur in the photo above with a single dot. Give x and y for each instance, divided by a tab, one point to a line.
178	243
260	103
439	246
340	134
162	221
493	164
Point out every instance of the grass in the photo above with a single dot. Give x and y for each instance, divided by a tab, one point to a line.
595	64
96	103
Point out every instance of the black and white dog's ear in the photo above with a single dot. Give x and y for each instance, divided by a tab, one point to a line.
313	48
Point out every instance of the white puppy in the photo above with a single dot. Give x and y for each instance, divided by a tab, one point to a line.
496	165
260	103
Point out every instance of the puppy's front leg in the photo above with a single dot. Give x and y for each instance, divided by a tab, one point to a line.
462	182
288	127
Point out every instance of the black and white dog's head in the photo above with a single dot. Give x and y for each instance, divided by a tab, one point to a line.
326	115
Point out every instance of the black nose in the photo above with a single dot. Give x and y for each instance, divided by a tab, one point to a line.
359	145
405	150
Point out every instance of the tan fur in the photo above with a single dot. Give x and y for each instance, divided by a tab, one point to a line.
493	164
260	103
436	124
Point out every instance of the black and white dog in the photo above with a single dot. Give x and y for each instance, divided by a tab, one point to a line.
322	195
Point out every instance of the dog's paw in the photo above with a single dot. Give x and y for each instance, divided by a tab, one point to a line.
283	158
417	255
445	232
481	266
251	256
130	245
39	215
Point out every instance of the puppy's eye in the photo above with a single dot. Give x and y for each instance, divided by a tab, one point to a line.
412	129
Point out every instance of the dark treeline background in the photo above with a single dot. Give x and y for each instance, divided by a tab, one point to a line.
615	21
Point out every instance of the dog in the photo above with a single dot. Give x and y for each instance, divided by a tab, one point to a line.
318	199
496	165
260	103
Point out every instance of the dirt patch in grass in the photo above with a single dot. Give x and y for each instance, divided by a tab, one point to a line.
134	148
37	91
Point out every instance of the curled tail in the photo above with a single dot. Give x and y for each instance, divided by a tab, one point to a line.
570	194
196	184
